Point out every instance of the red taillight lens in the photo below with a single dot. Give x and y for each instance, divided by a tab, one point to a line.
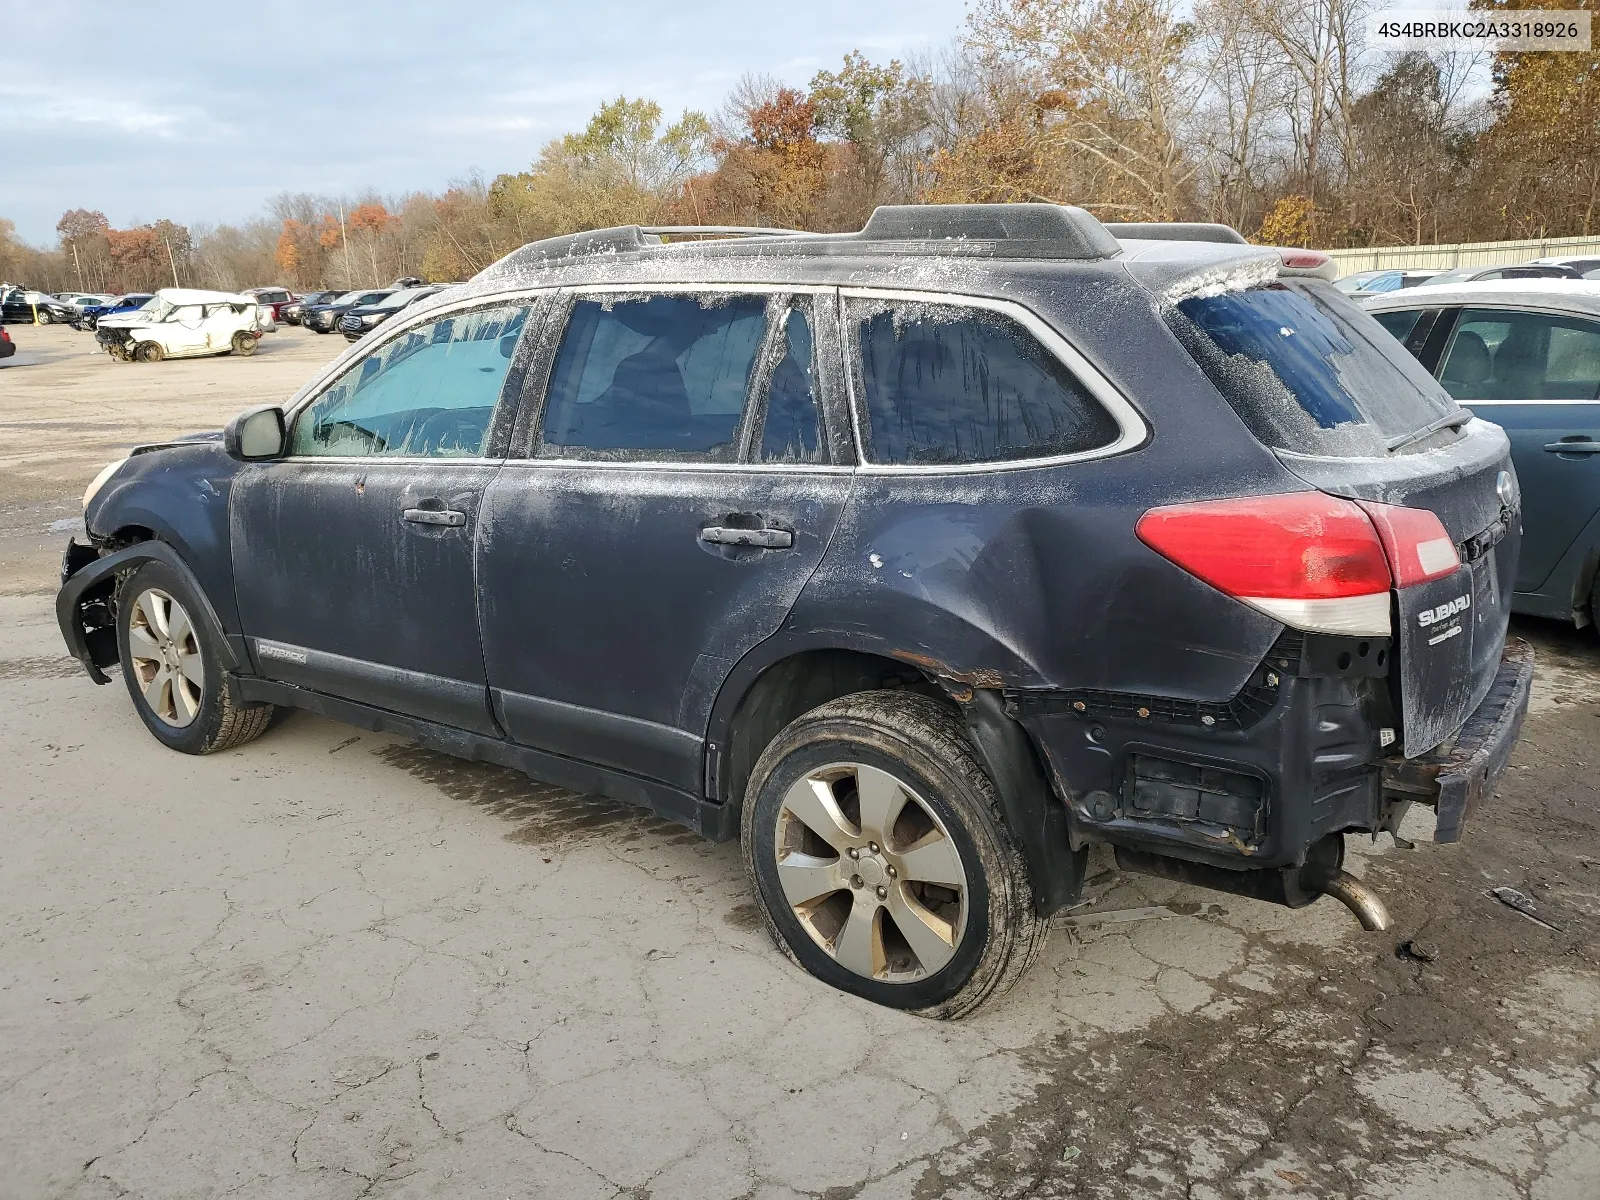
1302	546
1418	546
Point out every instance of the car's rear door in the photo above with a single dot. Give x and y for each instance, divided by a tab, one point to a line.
1536	375
678	490
353	555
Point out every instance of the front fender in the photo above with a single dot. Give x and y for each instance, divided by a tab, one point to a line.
86	609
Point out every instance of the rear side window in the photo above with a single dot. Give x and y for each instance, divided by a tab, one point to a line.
949	384
659	377
1399	323
1509	355
1306	370
791	427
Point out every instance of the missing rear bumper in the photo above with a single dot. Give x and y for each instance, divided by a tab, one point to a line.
1456	780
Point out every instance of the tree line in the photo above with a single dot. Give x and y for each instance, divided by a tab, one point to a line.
1268	115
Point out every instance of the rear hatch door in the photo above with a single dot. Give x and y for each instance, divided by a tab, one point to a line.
1350	412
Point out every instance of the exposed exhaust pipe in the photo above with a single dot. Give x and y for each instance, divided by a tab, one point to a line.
1357	897
1295	887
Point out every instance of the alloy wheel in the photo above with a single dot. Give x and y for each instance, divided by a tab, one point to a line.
165	651
871	872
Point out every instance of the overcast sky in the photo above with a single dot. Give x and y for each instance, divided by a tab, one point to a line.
202	112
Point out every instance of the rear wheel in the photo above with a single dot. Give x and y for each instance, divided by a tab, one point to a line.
173	670
149	352
876	848
244	344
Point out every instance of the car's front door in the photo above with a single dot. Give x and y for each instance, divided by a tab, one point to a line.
183	330
1537	375
676	495
353	555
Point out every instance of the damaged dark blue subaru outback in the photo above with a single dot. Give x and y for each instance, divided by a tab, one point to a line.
922	559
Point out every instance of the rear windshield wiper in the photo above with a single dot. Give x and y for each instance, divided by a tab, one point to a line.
1454	420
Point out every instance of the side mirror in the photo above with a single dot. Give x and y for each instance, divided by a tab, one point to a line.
256	434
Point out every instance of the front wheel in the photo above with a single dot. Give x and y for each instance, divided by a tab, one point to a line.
172	668
149	352
45	318
243	344
875	844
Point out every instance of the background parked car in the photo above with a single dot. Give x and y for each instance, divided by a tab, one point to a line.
324	318
366	317
1526	355
1486	274
19	304
89	318
274	299
183	323
1366	282
1587	265
294	311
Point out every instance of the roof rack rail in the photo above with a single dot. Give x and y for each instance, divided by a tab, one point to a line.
1177	231
721	231
1019	230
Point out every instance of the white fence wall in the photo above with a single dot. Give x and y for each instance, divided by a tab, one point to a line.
1461	254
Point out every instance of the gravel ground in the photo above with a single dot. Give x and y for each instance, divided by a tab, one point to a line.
331	964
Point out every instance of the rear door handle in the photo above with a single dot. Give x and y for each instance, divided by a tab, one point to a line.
435	516
766	539
1576	446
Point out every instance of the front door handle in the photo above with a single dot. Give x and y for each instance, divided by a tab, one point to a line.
1575	446
765	539
435	516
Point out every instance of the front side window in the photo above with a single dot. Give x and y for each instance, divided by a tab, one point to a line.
1502	354
950	384
431	392
1399	323
661	377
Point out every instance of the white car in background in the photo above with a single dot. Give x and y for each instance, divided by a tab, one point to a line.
183	323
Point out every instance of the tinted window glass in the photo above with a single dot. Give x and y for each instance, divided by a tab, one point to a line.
665	376
953	384
1399	323
1507	355
791	429
430	392
1306	370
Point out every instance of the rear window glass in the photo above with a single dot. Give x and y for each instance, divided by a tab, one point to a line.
1307	371
948	384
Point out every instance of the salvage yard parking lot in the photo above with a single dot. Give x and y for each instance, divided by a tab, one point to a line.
329	963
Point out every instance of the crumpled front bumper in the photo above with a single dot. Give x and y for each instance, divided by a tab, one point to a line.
1457	778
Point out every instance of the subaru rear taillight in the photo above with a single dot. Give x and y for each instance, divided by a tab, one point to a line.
1419	548
1304	260
1312	561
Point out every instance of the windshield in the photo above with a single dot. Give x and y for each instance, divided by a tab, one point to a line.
156	308
346	298
1455	275
1307	370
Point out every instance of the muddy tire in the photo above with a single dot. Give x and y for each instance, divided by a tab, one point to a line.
244	345
172	668
880	861
149	352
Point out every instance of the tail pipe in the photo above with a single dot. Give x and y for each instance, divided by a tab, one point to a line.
1295	887
1356	896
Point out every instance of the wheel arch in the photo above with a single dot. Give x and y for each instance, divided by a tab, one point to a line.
766	691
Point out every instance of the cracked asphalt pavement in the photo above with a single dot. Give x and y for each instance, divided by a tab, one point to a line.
332	964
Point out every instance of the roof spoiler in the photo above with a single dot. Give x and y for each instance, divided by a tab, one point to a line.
1176	231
